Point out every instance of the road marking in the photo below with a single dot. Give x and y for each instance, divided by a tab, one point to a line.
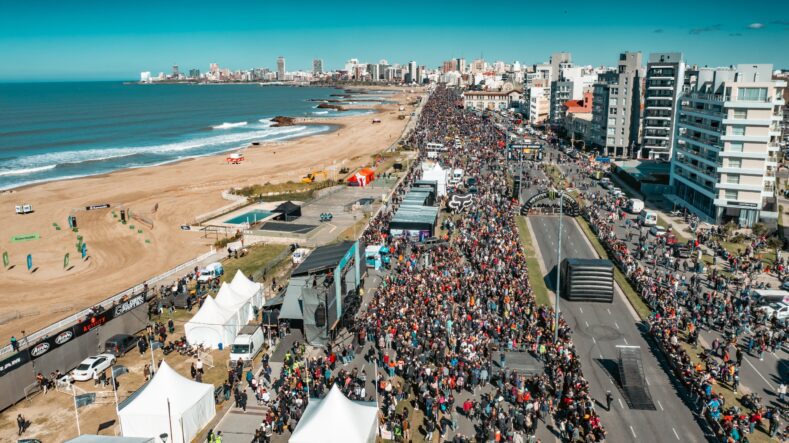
609	311
625	340
760	374
661	406
633	432
621	406
616	324
601	356
675	433
581	309
333	227
594	340
587	324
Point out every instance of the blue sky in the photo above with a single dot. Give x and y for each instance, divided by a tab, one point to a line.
86	39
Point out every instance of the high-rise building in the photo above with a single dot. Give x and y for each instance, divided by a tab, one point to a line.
194	73
411	75
665	78
448	66
176	71
559	61
145	77
213	68
616	107
727	144
317	67
374	71
460	65
280	68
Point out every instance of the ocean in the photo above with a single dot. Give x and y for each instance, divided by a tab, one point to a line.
52	131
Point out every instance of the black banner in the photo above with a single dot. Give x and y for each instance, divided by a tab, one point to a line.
101	206
52	342
9	364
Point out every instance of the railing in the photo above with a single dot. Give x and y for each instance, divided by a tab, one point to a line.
106	303
238	201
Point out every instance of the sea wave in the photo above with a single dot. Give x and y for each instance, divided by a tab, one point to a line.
23	171
37	163
229	125
320	112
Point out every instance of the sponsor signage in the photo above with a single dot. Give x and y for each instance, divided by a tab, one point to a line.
9	364
64	337
52	342
128	305
100	206
97	320
186	228
25	237
39	349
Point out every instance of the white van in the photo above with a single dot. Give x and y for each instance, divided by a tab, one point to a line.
247	344
635	206
647	218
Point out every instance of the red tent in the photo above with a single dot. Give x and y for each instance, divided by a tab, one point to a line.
362	177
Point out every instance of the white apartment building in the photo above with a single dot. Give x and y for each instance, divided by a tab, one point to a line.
539	104
491	100
664	82
726	151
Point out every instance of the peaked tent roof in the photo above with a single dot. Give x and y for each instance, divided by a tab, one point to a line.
286	207
336	419
167	384
243	285
227	297
211	313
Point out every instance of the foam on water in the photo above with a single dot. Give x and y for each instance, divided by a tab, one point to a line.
229	125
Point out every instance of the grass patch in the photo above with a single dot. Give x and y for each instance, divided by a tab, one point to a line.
681	238
535	275
259	257
638	304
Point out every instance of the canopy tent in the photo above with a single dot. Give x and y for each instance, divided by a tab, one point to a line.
244	285
287	211
169	403
362	177
234	301
212	325
432	171
335	419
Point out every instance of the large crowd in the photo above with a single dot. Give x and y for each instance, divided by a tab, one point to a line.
683	299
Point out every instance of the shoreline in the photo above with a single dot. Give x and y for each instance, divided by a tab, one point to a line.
169	195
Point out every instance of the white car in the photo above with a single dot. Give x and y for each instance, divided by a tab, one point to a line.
93	365
780	310
658	231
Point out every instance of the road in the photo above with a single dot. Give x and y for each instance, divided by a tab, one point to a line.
598	329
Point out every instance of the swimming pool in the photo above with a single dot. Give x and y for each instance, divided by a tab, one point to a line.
249	217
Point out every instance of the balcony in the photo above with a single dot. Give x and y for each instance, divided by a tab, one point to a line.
700	124
708	172
708	97
706	142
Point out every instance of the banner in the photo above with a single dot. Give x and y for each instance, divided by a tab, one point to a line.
84	250
101	206
9	364
5	259
24	237
29	262
65	261
85	399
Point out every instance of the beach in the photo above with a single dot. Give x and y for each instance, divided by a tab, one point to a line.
170	195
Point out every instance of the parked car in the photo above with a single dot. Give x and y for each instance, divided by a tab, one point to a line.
658	231
93	365
780	310
682	251
119	344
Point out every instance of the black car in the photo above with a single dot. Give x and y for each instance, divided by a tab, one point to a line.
682	251
120	344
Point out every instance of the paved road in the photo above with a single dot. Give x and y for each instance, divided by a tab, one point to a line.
598	329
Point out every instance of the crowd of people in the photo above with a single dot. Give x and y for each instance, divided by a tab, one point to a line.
683	300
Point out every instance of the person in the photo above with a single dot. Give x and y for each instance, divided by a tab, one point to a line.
609	397
210	437
21	424
14	344
781	391
199	366
218	438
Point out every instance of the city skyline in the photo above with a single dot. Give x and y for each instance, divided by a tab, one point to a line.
88	41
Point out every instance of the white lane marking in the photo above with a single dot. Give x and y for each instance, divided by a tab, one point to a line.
616	324
581	309
633	432
601	356
675	433
609	311
660	405
587	324
621	406
760	374
646	380
594	340
625	340
333	227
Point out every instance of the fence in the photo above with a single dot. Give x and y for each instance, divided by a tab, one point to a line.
72	319
238	201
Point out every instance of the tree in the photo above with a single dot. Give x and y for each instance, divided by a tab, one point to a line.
729	227
759	229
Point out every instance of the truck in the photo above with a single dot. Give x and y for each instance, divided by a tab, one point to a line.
210	272
635	206
587	280
647	218
247	344
314	176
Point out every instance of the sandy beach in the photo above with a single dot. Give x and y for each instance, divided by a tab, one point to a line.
120	257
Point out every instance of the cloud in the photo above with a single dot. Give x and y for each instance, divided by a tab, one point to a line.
756	26
658	31
711	28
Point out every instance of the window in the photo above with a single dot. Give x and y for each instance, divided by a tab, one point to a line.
610	141
612	111
733	179
735	146
612	121
738	130
731	194
611	130
735	162
754	94
741	114
613	102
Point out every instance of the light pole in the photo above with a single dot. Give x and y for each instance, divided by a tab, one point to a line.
558	272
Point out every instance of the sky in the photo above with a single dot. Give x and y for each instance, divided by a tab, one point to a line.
58	40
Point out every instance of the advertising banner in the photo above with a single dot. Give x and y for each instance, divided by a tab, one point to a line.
25	237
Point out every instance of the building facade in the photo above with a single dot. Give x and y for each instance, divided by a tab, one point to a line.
726	150
281	68
665	78
616	110
317	67
490	100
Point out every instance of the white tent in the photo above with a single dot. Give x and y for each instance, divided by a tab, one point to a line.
212	325
244	285
171	404
231	300
335	419
433	171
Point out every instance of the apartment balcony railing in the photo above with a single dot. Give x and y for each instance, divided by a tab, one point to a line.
698	124
708	97
710	142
